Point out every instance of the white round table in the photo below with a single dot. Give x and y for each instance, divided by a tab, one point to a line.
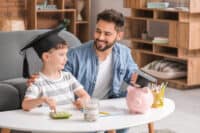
38	119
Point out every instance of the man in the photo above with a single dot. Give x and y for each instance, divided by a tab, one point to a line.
102	65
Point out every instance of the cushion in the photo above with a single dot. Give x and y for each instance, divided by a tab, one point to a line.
19	84
166	69
9	97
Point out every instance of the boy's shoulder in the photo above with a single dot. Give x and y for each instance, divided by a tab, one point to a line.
39	80
67	75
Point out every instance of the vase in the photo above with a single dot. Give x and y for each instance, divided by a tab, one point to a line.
69	4
50	2
79	7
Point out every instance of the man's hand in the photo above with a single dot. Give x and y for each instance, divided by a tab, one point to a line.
32	79
134	77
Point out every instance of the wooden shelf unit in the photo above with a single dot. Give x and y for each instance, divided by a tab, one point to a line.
183	34
46	19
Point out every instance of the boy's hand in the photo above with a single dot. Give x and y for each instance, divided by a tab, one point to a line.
51	102
79	103
32	79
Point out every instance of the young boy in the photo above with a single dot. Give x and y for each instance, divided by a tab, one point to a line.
54	86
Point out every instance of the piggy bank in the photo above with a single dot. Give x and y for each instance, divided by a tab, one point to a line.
139	100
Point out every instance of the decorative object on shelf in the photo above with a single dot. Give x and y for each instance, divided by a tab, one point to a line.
50	2
69	4
51	7
47	5
79	6
66	22
160	40
166	69
157	4
40	7
144	35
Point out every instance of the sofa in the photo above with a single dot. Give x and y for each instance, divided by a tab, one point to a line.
12	84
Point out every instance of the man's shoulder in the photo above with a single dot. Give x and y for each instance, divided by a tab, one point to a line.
121	47
81	51
84	46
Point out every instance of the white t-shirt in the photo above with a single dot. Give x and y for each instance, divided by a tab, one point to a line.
61	90
104	78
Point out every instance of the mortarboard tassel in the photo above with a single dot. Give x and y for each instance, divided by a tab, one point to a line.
25	67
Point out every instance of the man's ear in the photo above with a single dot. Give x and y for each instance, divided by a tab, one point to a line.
120	35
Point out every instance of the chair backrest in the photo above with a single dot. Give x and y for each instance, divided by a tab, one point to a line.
11	61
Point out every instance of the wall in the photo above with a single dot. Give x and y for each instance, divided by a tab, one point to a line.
12	10
100	5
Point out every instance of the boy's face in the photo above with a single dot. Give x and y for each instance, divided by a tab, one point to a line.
57	58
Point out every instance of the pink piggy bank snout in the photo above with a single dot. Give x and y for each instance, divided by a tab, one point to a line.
139	100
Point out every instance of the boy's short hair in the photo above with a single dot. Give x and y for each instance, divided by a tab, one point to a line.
61	45
111	15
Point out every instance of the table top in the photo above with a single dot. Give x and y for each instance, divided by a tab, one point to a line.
38	119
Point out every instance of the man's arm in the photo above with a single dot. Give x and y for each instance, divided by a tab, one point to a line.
132	68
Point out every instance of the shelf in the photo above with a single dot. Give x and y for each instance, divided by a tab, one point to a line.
82	22
193	6
56	11
139	40
47	18
143	46
180	27
142	41
153	19
160	54
169	51
142	13
165	15
163	9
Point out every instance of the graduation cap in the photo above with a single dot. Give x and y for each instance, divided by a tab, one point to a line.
42	43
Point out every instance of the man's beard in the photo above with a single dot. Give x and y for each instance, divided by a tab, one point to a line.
107	46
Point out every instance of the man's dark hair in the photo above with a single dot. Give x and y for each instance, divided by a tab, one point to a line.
111	15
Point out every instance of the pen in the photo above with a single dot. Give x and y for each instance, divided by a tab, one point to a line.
104	113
